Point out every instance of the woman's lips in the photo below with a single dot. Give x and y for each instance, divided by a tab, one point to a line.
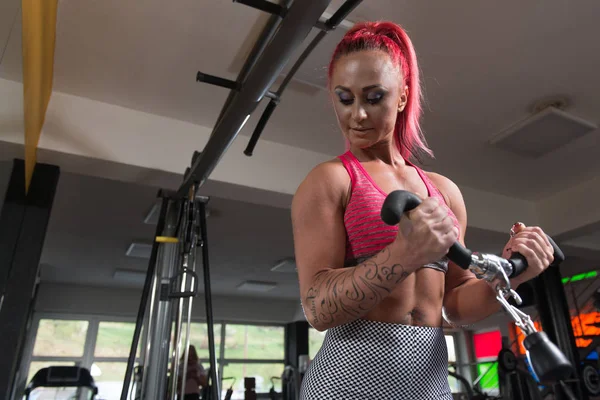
360	130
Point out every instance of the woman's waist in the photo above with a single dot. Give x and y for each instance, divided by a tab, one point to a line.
383	333
405	309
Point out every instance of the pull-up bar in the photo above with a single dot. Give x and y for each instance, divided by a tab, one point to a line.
285	32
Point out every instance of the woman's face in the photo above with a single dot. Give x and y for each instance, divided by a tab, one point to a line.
367	93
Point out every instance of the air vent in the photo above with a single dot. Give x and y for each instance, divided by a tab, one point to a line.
256	286
542	133
152	216
129	276
287	265
139	250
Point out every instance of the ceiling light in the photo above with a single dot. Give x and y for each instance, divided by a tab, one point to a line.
152	216
256	286
286	265
544	132
139	250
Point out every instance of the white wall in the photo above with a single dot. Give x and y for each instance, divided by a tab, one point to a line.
87	300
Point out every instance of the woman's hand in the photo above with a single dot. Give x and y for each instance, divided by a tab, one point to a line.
426	233
531	243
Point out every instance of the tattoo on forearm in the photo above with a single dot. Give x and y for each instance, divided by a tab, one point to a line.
311	297
352	292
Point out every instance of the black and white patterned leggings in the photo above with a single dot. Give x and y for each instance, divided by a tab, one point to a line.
377	360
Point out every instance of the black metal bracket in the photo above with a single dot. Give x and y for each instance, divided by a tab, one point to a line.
336	19
329	25
265	6
228	84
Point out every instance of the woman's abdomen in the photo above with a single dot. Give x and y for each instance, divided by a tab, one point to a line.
416	301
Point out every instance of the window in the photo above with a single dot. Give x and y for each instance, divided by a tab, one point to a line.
266	376
58	342
113	344
252	342
199	339
60	338
252	351
103	347
455	385
315	341
451	348
114	339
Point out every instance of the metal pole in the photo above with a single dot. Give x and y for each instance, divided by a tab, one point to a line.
215	387
192	254
148	330
155	374
177	344
143	302
294	28
184	255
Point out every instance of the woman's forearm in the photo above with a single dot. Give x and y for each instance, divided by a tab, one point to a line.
471	302
337	296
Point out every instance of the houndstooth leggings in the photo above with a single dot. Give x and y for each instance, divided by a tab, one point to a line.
377	360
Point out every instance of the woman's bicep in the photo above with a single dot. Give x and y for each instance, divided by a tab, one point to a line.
318	226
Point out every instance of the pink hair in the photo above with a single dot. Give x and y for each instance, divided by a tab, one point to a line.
391	38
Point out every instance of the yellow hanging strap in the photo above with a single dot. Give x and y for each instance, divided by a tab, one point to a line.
38	37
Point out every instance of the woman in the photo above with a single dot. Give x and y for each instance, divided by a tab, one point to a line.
380	291
195	376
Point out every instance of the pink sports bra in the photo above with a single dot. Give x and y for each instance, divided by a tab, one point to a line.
366	233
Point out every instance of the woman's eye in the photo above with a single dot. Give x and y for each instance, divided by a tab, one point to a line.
345	99
374	97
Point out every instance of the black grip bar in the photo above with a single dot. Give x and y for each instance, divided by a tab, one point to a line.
400	201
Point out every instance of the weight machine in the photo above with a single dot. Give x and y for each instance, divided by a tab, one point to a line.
172	277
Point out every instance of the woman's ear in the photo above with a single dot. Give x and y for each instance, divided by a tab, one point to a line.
403	99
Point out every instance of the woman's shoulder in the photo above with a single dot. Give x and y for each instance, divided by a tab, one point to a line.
328	174
328	180
330	167
450	191
444	184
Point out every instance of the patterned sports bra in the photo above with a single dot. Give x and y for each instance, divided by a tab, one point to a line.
366	233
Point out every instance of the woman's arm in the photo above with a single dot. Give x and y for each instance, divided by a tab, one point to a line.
467	299
332	295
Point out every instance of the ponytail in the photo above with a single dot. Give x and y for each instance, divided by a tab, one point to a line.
392	39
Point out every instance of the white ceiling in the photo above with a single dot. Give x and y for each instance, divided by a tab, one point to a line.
484	64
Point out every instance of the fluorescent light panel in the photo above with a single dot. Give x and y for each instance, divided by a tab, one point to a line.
152	216
287	265
139	250
543	133
256	286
